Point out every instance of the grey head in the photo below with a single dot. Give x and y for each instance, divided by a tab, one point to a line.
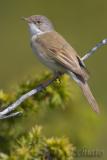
39	24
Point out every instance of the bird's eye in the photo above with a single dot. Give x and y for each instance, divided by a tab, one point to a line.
38	22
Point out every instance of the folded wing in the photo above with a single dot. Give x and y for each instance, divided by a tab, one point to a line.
59	49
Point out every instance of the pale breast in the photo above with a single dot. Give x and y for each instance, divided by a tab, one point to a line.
42	55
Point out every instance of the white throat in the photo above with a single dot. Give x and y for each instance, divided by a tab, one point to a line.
34	29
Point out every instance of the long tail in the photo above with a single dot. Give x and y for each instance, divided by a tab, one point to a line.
87	92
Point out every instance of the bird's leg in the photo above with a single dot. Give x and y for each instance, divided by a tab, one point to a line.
94	49
59	74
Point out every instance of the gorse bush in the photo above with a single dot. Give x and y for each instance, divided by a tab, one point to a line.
15	143
35	146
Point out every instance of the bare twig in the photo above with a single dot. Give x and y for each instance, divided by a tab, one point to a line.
94	49
5	113
10	115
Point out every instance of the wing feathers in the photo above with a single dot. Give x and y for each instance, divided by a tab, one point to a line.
58	49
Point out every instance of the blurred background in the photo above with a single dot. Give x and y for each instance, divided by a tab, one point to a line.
82	23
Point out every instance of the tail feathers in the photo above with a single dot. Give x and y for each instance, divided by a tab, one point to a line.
87	92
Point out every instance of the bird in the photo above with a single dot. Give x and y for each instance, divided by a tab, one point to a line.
57	54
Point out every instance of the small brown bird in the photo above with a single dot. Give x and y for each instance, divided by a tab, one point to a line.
55	52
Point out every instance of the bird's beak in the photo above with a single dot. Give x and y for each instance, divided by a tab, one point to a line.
25	19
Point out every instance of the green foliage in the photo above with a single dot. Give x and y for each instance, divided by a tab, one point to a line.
34	146
56	94
62	113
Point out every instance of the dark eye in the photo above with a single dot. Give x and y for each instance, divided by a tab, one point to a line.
38	22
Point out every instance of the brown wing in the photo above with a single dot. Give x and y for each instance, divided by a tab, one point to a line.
59	49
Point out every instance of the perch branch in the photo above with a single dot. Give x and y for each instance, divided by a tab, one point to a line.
5	113
94	49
